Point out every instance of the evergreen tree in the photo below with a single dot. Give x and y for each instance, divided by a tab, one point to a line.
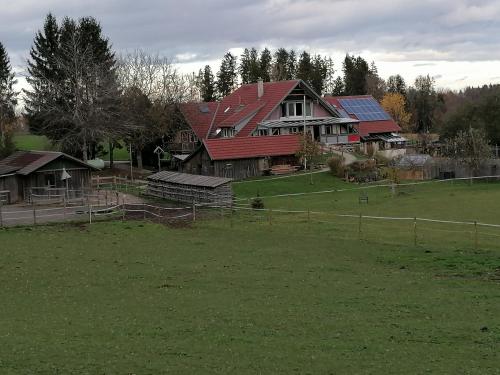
338	87
292	65
356	70
375	86
42	69
266	65
280	68
319	73
8	103
305	68
75	98
254	72
245	66
207	84
227	76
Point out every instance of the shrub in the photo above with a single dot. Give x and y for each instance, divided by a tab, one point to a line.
257	203
336	165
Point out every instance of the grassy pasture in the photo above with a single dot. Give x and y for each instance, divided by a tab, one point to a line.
259	292
141	298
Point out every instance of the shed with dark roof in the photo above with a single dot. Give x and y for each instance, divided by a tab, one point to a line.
189	188
34	172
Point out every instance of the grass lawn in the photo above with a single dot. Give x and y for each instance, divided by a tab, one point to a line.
32	142
439	200
118	298
42	143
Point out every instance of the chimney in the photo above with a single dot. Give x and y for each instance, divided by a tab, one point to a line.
260	88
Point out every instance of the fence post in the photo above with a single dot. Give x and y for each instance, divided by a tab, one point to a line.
1	218
359	225
123	207
476	238
144	211
194	212
34	211
308	215
98	183
415	231
90	214
106	197
114	182
64	208
231	218
270	214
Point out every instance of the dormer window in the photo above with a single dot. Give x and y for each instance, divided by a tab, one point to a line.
296	109
227	132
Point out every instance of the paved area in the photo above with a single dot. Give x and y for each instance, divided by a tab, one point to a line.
75	210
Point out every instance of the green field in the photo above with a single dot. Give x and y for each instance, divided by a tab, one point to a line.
261	292
42	143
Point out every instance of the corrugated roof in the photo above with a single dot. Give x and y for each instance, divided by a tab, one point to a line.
189	179
7	169
365	127
27	162
252	147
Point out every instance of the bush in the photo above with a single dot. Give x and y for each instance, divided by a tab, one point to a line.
257	203
336	165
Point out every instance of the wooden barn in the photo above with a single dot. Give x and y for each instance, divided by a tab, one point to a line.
240	158
188	188
25	172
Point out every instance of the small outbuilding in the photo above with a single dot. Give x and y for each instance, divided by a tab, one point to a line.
189	188
415	167
42	172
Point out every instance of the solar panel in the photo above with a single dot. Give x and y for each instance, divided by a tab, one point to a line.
365	109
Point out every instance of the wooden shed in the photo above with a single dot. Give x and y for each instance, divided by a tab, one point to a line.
189	188
41	172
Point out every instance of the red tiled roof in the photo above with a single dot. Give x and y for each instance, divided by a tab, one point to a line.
199	121
366	127
251	147
246	95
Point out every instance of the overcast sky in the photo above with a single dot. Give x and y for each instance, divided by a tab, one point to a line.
456	41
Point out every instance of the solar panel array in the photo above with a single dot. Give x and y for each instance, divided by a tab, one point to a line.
365	109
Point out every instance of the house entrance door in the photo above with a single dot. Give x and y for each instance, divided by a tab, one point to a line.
316	133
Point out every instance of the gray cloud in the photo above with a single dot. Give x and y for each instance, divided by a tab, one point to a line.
198	30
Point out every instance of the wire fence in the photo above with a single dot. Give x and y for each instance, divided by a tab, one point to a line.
402	230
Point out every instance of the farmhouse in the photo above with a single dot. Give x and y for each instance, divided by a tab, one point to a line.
377	129
25	172
188	188
253	121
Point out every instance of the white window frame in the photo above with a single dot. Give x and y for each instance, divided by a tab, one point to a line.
275	131
293	104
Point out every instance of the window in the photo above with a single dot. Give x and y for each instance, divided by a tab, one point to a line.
294	130
275	131
227	132
296	109
263	132
343	130
328	129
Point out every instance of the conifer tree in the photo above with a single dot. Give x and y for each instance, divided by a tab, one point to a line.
265	65
8	103
227	75
207	84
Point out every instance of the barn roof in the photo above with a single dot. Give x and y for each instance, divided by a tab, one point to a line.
189	179
26	162
365	127
252	147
